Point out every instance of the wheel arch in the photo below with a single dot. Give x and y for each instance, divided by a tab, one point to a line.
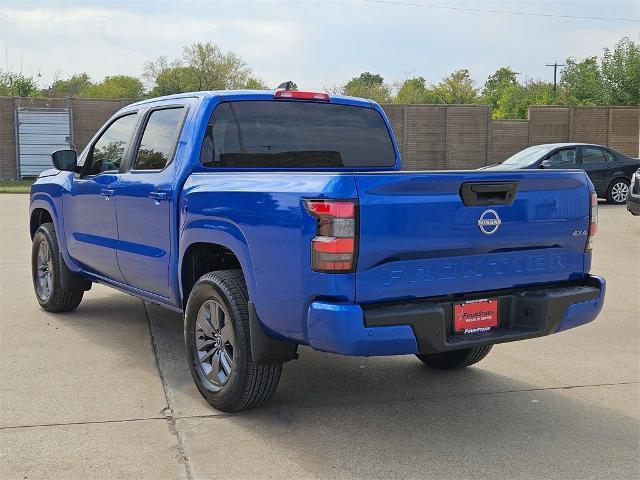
213	245
618	176
201	258
41	210
39	216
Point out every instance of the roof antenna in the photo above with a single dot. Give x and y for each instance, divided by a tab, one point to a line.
288	85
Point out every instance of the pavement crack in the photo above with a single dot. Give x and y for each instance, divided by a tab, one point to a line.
171	418
182	455
542	389
89	422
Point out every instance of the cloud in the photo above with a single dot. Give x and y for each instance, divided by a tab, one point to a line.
107	41
313	42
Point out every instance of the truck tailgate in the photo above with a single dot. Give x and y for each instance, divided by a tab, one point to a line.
419	239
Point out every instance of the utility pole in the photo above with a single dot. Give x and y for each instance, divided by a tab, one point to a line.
555	72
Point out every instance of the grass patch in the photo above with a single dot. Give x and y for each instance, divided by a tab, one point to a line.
15	186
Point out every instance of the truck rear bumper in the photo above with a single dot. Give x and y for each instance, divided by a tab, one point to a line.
425	325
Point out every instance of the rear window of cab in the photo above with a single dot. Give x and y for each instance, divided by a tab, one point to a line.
291	134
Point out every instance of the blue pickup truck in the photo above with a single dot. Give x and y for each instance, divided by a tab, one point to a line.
279	219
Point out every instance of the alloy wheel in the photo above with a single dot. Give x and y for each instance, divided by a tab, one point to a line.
44	271
619	192
214	340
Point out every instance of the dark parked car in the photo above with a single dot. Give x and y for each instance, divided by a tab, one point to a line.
633	200
609	170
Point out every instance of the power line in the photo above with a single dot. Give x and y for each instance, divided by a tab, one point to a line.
500	12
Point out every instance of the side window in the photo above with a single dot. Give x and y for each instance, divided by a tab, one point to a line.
227	134
609	156
159	139
108	151
592	156
565	158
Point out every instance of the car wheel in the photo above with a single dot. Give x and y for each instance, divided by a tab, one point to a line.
618	191
218	345
456	358
45	271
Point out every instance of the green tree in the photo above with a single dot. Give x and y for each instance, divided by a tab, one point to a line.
497	83
73	86
516	99
368	85
18	85
581	83
168	78
621	73
117	86
214	69
202	66
416	90
457	88
253	83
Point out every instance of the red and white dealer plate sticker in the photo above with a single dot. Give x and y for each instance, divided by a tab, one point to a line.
475	316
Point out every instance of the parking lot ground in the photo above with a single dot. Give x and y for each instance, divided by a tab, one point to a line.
104	392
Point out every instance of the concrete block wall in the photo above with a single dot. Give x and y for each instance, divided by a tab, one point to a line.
7	138
624	125
430	137
548	125
467	137
616	127
425	138
589	125
507	138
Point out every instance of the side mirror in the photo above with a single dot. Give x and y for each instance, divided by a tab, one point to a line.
545	164
65	160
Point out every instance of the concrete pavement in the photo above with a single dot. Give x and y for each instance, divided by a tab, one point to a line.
104	392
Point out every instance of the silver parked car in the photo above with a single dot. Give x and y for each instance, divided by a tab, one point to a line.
633	200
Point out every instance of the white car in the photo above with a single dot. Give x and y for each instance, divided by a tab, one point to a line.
633	199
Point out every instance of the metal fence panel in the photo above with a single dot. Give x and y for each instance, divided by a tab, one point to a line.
41	131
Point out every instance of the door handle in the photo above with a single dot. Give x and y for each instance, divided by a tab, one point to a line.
158	195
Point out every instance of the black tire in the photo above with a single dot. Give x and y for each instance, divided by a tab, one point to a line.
54	299
456	358
248	384
615	192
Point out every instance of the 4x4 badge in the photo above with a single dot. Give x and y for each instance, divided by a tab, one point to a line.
489	222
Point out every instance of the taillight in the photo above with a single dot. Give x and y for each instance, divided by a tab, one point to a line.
333	249
298	95
593	221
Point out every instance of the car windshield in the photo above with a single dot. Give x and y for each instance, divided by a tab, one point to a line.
288	134
528	155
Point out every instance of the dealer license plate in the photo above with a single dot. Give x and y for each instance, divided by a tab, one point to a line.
475	316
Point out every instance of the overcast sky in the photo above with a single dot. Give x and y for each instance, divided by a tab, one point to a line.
312	42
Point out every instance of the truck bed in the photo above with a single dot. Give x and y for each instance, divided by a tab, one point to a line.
416	237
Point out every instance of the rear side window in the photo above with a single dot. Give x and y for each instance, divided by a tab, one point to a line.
159	139
609	156
281	134
591	155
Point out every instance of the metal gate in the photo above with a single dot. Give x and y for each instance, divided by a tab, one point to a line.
40	132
